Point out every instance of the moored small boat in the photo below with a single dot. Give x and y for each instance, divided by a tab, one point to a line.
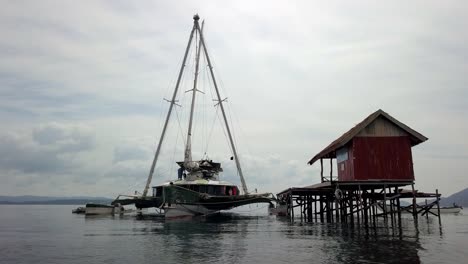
103	209
79	210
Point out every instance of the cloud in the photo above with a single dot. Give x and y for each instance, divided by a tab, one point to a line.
124	153
51	148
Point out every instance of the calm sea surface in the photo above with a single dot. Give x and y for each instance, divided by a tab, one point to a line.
52	234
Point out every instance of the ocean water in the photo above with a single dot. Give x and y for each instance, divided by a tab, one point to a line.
52	234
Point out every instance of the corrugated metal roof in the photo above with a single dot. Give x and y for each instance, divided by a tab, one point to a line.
329	151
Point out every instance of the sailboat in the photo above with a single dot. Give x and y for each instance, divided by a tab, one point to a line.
198	189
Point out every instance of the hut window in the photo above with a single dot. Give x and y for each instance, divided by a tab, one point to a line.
342	155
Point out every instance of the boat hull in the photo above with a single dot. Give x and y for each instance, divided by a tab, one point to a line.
447	210
102	209
186	210
177	201
79	210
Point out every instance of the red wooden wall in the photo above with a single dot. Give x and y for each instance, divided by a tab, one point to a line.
378	158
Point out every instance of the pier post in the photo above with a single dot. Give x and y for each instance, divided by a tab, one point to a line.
392	207
337	210
438	206
315	208
351	205
366	213
321	170
415	212
359	205
398	207
321	208
427	212
373	201
292	208
384	207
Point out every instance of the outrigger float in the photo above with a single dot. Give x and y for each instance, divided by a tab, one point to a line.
198	189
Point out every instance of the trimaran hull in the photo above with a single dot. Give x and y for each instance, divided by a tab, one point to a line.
180	202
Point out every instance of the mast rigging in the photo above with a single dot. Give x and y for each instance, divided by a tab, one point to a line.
188	152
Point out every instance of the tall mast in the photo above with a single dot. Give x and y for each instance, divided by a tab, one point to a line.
172	102
220	102
188	146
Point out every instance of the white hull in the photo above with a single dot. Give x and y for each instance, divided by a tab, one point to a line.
184	210
453	210
99	211
103	210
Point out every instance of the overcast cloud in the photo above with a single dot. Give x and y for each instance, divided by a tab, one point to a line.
82	83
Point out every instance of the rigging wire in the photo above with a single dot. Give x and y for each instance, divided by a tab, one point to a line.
218	115
180	113
231	113
166	92
224	129
211	130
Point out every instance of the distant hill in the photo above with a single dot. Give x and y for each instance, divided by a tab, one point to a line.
460	198
30	199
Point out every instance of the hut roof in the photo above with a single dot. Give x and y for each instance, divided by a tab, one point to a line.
329	151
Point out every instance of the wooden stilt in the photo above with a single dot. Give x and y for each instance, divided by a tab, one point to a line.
438	206
351	205
292	208
392	200
427	215
315	208
321	169
415	212
321	208
366	213
398	206
385	206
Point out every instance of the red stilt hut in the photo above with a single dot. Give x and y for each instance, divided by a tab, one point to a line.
378	148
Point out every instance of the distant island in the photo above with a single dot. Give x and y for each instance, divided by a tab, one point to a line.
30	199
459	198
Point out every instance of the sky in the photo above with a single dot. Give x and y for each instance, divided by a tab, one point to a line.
82	86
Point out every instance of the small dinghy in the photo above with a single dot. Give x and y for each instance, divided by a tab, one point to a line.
103	209
79	210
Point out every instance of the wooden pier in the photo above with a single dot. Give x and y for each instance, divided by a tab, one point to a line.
374	164
356	202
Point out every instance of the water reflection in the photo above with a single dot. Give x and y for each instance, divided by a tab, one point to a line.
54	235
199	239
226	238
345	243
